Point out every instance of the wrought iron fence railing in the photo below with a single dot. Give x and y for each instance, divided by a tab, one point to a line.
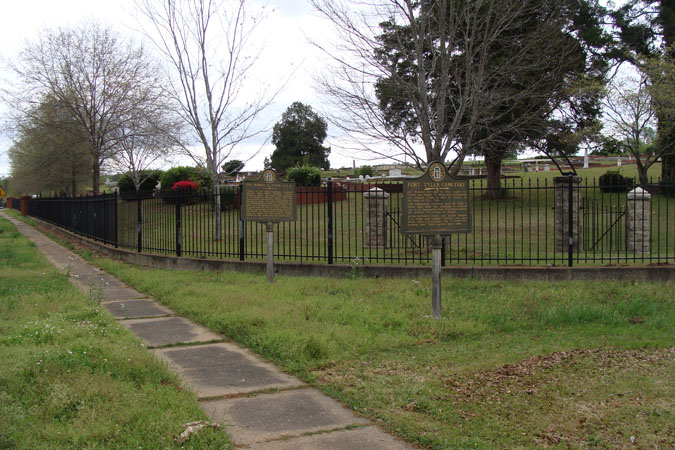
522	223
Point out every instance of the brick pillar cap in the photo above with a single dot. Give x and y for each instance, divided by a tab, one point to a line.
639	194
376	193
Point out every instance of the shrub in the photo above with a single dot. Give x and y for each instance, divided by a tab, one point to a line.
363	170
194	174
184	184
304	175
613	181
126	185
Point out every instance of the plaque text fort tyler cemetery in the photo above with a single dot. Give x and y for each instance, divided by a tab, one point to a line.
436	203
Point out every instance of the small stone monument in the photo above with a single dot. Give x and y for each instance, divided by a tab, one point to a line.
375	204
638	212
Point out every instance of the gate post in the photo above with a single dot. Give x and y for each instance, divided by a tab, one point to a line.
375	206
567	214
329	205
638	213
24	205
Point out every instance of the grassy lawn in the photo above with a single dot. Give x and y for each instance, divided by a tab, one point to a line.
71	377
579	364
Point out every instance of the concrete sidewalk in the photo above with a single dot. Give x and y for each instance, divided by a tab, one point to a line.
261	407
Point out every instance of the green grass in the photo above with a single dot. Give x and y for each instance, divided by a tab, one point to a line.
71	377
511	364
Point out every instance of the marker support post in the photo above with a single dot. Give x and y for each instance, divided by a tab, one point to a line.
436	247
270	252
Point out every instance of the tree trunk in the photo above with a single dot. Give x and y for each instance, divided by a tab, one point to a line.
73	181
642	173
96	177
494	176
218	235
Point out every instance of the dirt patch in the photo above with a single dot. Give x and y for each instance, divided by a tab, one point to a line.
530	375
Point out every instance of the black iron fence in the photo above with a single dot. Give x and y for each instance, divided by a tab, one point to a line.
523	223
92	216
16	204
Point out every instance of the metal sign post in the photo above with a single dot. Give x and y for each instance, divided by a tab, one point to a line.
436	246
270	252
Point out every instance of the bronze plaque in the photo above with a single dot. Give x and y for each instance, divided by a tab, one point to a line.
436	203
268	199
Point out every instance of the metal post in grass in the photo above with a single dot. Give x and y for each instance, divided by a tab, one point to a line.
570	219
436	247
270	252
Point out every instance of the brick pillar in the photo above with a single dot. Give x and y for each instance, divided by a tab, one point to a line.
638	212
24	205
375	206
561	185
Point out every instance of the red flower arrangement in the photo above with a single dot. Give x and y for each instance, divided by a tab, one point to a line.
184	184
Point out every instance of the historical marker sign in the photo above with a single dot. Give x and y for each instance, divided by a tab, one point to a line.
2	193
436	203
268	199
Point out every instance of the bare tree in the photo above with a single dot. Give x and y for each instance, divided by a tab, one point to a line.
630	116
49	154
97	75
151	137
435	77
207	44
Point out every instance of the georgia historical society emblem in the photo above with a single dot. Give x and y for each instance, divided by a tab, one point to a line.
437	172
269	176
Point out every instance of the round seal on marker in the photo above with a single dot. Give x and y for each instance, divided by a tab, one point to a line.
437	172
269	176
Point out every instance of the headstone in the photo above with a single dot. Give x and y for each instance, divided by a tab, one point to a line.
618	161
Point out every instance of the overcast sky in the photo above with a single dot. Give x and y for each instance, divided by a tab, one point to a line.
286	51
